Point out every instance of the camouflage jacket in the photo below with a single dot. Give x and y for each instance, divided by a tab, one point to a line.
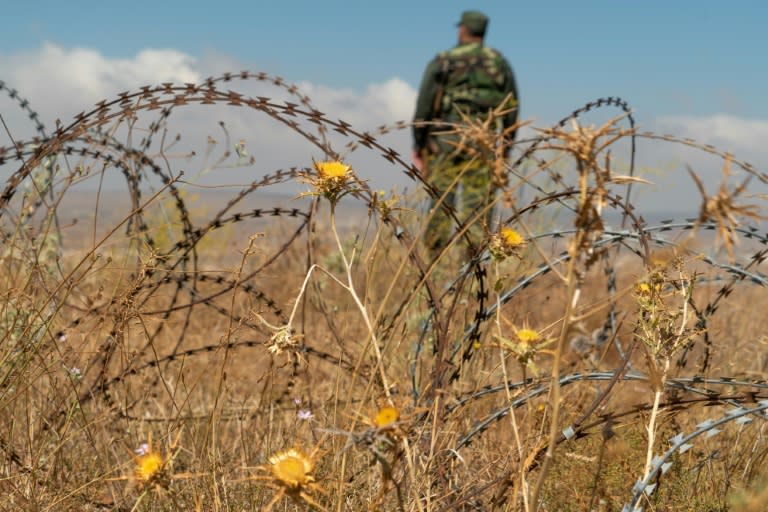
470	78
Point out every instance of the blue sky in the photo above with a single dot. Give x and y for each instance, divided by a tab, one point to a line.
672	58
693	69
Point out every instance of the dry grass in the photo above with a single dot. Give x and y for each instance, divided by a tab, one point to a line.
178	355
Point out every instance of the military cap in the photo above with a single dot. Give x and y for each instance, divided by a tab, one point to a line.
475	21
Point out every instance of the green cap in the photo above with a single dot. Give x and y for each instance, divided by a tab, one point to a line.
475	21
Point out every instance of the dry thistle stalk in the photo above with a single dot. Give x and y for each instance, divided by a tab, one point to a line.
589	147
481	137
586	145
721	208
664	327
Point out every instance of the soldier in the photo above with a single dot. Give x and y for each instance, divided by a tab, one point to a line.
467	80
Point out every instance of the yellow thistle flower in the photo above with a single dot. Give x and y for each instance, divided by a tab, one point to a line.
148	466
528	336
332	169
290	474
292	468
152	469
386	417
505	243
645	288
332	180
525	344
511	237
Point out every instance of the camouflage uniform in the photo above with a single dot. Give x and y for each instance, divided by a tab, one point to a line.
472	79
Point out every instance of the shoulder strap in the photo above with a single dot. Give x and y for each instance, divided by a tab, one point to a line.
443	72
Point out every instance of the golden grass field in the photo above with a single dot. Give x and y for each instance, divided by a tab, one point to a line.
167	348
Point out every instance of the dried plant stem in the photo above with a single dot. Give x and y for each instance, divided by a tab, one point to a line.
350	287
513	418
651	428
303	289
211	428
572	296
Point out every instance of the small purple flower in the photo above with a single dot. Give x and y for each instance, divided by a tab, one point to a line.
304	414
143	449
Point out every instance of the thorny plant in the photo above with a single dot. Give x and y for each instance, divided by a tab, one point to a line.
663	328
721	208
291	473
153	471
149	316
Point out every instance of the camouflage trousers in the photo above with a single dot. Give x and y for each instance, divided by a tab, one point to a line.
469	194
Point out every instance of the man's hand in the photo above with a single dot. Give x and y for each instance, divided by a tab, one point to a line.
418	162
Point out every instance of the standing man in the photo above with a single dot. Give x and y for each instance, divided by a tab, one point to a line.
467	81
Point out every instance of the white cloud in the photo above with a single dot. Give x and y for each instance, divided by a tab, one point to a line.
729	133
60	82
58	79
390	101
